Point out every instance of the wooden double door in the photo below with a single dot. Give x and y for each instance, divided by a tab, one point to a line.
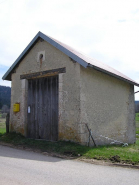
42	110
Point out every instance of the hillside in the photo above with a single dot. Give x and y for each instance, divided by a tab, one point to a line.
5	96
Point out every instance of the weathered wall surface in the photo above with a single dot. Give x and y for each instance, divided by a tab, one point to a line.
69	89
85	96
107	105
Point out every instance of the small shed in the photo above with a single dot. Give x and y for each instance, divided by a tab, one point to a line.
59	93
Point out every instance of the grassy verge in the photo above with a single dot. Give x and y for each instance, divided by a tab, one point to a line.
137	117
2	130
129	154
137	125
2	125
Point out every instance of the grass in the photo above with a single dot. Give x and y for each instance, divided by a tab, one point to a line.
129	154
137	125
2	130
2	125
115	153
137	117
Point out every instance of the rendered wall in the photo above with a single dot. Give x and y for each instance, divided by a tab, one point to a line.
85	96
107	105
69	89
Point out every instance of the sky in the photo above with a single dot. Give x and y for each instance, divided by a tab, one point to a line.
107	30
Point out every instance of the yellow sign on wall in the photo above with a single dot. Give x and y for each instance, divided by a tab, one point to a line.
16	107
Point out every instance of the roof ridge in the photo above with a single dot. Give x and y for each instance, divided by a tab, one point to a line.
79	57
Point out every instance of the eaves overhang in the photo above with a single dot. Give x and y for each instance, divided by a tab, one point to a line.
112	74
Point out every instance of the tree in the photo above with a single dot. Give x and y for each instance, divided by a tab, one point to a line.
5	96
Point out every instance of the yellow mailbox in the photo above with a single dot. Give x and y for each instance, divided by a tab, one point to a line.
16	107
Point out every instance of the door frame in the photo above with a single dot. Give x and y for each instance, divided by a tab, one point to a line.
24	78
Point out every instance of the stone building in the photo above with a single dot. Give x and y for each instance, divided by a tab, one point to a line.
58	94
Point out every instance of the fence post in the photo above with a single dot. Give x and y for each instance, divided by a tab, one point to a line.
7	122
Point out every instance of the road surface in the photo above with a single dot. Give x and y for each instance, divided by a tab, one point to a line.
20	167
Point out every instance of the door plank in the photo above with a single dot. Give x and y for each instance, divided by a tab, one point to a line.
43	102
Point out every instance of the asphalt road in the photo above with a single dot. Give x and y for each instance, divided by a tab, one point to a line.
19	167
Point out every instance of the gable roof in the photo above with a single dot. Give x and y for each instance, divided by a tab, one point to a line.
82	59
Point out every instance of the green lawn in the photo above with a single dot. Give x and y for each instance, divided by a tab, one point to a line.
137	117
2	125
2	130
137	124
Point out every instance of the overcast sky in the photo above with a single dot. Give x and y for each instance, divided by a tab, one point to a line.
107	30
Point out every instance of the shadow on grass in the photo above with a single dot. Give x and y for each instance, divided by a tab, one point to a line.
60	147
127	154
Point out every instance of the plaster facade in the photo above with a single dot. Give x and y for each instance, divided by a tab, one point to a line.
69	89
105	103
